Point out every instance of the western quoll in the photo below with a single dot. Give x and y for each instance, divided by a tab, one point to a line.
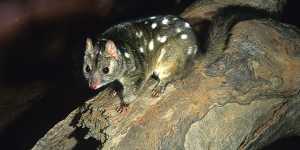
132	52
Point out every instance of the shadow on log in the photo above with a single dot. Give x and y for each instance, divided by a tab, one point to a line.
246	99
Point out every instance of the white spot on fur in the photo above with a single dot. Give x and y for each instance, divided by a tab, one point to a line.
153	17
162	53
154	25
126	55
187	25
183	36
162	39
151	45
139	34
146	22
190	50
165	21
141	49
178	30
174	19
195	49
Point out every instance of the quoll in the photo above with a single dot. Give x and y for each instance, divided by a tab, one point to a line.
132	52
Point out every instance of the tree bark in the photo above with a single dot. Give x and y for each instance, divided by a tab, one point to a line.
246	99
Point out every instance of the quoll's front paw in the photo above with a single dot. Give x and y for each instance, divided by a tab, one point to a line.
122	110
123	107
158	90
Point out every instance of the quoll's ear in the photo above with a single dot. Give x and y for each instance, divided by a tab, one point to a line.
111	49
89	45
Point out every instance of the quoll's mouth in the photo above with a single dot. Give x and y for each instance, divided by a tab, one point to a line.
95	85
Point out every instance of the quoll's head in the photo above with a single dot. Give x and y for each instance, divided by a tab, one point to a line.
102	63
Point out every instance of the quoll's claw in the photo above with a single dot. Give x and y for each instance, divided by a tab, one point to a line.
123	107
158	90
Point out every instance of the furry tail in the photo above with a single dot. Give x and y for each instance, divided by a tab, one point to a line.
222	23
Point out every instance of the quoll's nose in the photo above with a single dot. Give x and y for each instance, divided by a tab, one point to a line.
94	85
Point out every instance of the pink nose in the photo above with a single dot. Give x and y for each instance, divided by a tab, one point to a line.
95	85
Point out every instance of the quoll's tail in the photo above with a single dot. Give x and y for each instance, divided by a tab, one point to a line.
221	24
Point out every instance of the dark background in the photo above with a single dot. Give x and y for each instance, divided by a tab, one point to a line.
43	40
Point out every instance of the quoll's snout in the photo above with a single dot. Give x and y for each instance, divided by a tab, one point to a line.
95	84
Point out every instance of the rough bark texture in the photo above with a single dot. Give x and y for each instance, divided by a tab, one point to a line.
245	100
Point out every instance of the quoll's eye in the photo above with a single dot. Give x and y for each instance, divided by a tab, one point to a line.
105	70
87	68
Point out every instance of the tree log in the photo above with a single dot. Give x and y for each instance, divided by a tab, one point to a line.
246	99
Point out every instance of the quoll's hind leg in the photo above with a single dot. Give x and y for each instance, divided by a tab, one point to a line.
159	88
166	73
170	63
